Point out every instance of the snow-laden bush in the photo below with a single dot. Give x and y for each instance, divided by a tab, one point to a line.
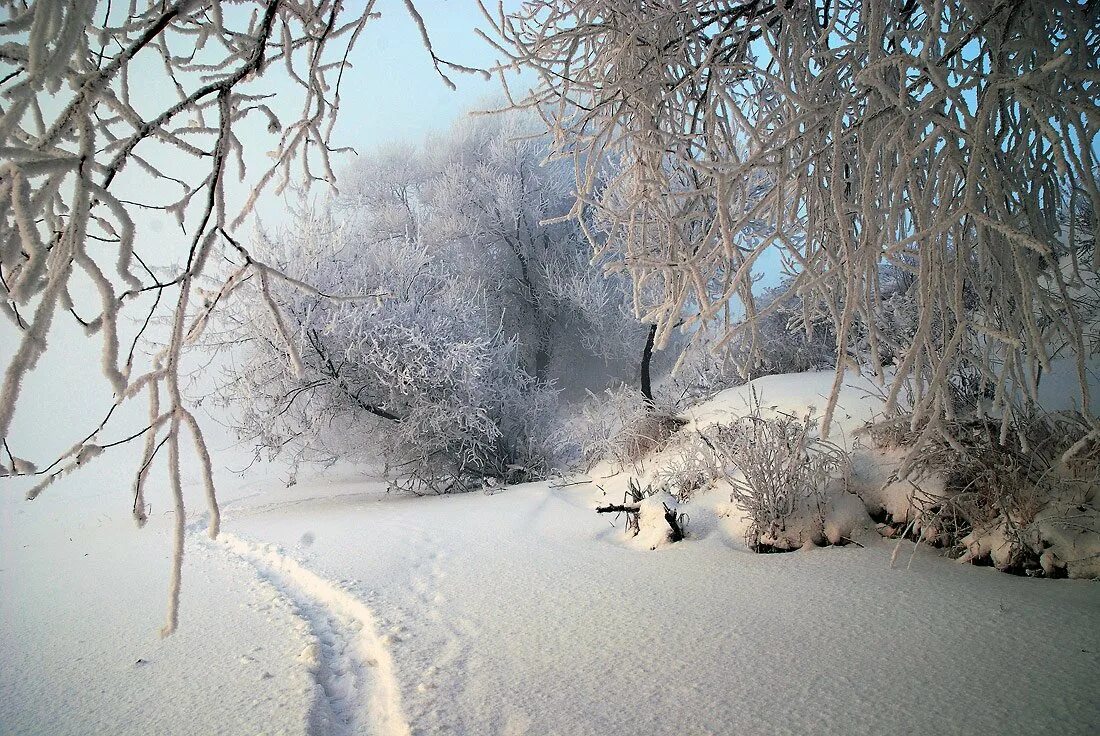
779	471
1024	501
692	465
618	427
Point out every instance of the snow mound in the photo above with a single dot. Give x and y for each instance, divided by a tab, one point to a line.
794	394
845	518
1070	538
692	468
875	480
1063	538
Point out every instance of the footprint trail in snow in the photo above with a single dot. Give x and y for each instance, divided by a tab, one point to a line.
357	690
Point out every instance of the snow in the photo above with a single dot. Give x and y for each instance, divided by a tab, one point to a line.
653	528
845	518
83	592
332	607
874	481
524	607
793	394
344	651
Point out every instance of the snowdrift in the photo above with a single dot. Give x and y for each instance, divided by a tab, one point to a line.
871	488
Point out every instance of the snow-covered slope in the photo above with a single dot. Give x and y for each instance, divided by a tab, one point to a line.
860	401
82	592
332	608
523	612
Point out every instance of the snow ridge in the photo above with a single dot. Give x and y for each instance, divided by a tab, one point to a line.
347	657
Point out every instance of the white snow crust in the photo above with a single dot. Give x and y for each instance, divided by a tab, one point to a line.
334	608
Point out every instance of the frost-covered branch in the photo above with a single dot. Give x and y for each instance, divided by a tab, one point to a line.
941	139
107	106
482	312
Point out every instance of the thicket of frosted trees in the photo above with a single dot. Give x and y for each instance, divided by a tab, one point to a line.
482	316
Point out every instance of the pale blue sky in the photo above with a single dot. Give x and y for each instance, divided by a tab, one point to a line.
393	92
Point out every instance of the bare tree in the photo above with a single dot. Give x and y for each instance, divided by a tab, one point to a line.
97	93
939	138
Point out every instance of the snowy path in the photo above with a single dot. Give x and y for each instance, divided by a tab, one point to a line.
356	685
524	613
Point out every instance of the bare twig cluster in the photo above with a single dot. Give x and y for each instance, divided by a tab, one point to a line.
778	469
620	427
1018	492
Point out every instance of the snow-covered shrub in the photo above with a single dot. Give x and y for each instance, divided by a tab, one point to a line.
688	467
1022	500
779	471
619	427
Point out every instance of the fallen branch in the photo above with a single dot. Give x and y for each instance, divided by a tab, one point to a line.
674	523
615	508
676	530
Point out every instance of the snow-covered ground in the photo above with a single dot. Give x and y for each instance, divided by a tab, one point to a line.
333	608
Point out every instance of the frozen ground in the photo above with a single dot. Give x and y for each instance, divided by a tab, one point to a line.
332	608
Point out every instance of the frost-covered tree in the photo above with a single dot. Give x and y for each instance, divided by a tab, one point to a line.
482	195
941	138
106	107
422	375
452	373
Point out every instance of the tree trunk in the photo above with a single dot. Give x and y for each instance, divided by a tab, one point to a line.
647	358
542	351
